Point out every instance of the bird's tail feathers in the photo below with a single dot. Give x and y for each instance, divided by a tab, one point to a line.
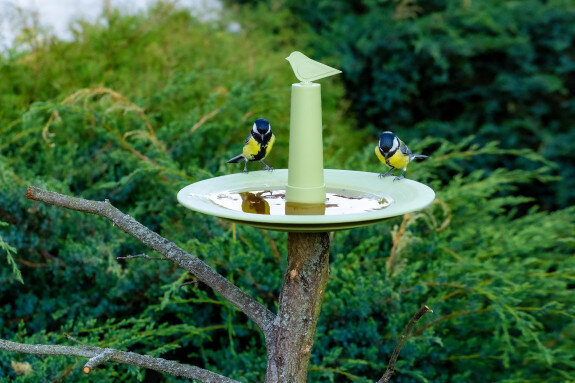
417	156
236	159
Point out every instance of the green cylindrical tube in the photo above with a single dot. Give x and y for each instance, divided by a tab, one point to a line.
305	167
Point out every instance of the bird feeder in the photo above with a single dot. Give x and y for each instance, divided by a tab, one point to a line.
307	201
306	197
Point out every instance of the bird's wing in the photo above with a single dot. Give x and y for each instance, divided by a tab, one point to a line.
247	139
404	149
270	145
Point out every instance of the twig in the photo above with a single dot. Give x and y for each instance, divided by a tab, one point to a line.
117	356
204	119
188	283
105	356
391	366
396	238
246	116
245	303
30	264
75	340
143	256
117	97
273	246
456	314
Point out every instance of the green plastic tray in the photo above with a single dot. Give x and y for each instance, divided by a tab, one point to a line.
404	196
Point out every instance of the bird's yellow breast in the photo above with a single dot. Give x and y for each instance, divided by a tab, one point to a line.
398	160
254	151
251	148
379	155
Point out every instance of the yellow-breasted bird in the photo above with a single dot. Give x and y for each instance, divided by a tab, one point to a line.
258	144
394	153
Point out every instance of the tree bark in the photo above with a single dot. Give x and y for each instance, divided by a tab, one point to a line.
159	364
245	303
289	347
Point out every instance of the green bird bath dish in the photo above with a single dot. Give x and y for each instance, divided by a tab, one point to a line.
353	199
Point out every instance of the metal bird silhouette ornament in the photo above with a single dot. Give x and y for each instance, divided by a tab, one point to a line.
308	70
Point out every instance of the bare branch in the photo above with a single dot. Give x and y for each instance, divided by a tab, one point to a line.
252	308
75	340
391	366
204	119
143	256
117	356
105	356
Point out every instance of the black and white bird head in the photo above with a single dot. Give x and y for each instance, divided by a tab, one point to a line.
388	144
261	128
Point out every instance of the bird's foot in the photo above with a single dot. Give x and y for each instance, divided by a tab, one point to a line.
387	173
397	178
267	167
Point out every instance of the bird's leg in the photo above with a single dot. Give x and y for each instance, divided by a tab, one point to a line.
401	176
266	167
246	166
388	173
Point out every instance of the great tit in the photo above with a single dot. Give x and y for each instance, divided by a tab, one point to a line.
394	153
258	144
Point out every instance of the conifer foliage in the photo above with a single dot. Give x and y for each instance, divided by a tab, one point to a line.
134	110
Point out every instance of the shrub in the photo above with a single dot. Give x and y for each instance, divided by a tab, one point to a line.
115	114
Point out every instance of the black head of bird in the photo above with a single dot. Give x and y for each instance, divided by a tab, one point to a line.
388	144
261	129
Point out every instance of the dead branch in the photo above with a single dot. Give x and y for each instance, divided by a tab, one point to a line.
99	355
396	239
391	366
204	119
95	361
245	303
143	256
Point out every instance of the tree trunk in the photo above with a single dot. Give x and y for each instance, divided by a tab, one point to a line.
289	347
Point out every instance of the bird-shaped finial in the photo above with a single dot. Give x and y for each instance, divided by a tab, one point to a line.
307	70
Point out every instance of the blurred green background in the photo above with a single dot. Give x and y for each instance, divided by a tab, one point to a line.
138	106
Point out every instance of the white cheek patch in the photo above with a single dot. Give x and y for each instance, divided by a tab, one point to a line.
254	129
395	145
